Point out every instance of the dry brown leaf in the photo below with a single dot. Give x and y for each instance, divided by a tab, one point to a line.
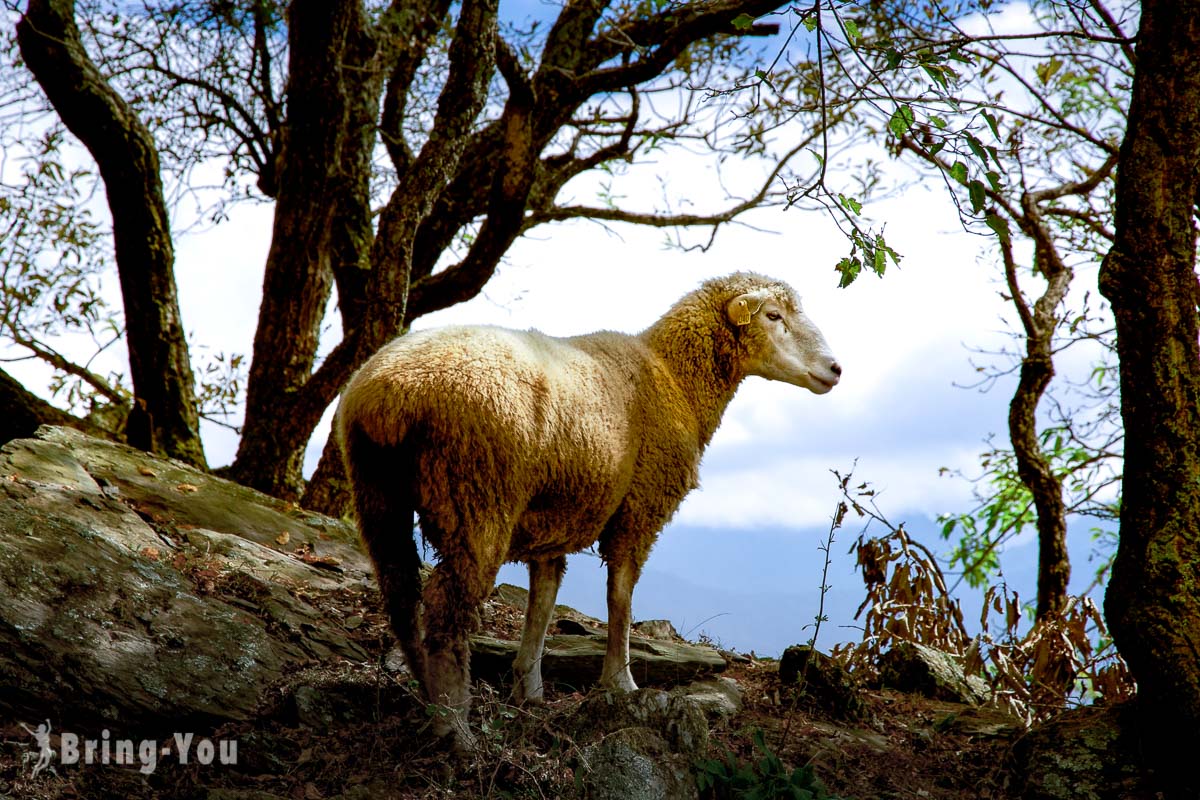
187	488
147	472
283	538
150	553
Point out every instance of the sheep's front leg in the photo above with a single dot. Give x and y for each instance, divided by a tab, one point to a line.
622	575
544	579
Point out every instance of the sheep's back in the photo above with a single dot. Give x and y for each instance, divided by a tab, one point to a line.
511	409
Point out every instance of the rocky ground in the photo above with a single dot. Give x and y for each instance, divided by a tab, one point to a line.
144	599
357	731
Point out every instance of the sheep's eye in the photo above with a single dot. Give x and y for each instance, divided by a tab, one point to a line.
773	316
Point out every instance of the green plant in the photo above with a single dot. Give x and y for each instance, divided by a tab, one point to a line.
766	778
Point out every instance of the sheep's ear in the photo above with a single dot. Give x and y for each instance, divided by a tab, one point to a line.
741	308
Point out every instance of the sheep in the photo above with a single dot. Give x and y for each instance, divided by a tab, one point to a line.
517	446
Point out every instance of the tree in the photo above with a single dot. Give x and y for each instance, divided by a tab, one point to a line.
160	368
407	146
1153	598
1023	129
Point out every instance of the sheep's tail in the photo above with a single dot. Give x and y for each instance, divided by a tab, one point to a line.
383	479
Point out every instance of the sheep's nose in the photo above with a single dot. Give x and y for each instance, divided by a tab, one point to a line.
836	369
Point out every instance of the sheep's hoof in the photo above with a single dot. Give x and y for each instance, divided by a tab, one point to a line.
520	699
521	695
621	682
455	739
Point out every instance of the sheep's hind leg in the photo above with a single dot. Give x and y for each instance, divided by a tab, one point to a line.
622	576
453	596
544	579
386	523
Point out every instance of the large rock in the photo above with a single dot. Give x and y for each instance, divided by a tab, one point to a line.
1088	753
641	744
635	764
575	662
911	667
137	591
719	698
821	680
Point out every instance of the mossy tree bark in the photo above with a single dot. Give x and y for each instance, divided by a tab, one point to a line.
124	150
1153	598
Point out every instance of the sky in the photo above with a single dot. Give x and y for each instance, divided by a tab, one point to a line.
740	563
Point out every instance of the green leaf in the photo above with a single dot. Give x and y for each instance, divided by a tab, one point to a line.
893	58
937	73
991	121
994	179
850	204
901	121
936	148
978	196
1046	70
1000	226
849	269
762	76
852	35
810	23
938	122
959	172
977	148
743	22
882	253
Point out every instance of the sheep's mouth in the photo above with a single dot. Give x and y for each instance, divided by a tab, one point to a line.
824	383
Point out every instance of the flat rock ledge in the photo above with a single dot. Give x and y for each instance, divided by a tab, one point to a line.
574	662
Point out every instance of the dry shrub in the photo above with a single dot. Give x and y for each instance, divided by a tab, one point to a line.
1033	670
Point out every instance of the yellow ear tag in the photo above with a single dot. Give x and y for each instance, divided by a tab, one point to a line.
739	311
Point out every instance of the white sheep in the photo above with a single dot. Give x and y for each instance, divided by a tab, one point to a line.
517	446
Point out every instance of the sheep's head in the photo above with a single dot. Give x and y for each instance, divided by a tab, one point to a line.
782	343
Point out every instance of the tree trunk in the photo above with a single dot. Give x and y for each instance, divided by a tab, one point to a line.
333	88
328	491
1054	565
21	413
124	150
1153	598
1037	370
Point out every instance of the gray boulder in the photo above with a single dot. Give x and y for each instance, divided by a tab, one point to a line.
643	744
656	629
910	667
635	764
139	591
718	698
